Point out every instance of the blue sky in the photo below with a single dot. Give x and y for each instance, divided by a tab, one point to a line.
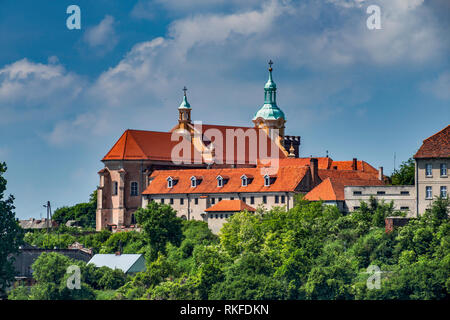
67	95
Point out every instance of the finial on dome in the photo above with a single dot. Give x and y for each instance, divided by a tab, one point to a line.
270	65
291	151
184	104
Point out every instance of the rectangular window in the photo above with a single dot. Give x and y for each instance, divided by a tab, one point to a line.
162	200
264	199
443	192
231	198
181	201
243	199
283	199
355	208
443	169
196	201
277	199
406	193
429	170
252	200
221	216
213	200
404	208
381	192
115	188
355	193
134	189
220	199
171	200
428	192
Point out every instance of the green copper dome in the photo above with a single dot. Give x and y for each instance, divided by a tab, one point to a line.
184	104
270	110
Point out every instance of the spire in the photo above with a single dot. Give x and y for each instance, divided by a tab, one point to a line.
184	104
270	110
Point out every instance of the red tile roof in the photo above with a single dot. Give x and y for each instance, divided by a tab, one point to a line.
436	146
230	206
288	178
154	145
334	181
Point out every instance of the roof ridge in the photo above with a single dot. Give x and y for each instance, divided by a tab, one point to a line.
436	133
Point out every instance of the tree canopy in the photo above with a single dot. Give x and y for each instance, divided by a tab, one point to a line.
11	234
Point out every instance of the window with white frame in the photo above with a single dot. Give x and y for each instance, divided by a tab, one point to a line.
193	182
219	181
244	180
443	169
428	169
266	181
134	189
169	182
443	192
428	192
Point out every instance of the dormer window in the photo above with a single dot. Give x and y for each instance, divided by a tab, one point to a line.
267	180
219	182
195	181
244	181
169	182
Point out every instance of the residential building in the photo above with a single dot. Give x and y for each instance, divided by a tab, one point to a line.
219	213
432	163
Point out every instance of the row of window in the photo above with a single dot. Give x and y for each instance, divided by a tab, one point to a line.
277	199
429	169
401	208
221	216
429	192
221	181
356	193
134	189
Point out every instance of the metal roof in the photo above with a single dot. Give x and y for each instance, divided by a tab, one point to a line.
124	262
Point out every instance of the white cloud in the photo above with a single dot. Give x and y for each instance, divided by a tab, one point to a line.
102	35
25	85
439	87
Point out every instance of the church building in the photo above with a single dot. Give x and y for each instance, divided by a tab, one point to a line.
194	167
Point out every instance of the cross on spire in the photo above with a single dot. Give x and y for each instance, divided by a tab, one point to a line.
184	89
270	65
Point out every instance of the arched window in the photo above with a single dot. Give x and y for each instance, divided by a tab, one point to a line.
266	180
134	189
244	181
219	182
169	182
193	182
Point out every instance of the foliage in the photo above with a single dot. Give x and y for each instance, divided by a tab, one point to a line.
83	213
10	235
160	226
406	174
311	251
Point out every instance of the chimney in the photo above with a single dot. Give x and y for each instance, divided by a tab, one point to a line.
355	164
314	164
380	173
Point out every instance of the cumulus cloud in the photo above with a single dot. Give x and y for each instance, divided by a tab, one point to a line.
25	85
102	35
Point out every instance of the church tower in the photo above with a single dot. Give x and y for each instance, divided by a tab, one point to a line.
184	110
270	116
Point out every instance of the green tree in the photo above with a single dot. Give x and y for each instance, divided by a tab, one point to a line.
406	174
84	213
11	235
160	226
